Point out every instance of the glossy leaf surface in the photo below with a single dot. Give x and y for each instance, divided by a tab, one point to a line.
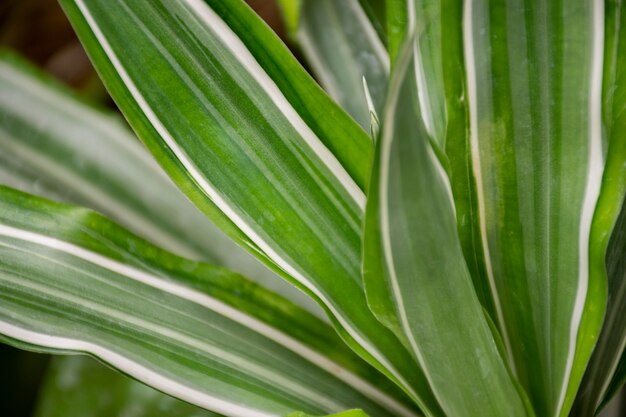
604	375
343	47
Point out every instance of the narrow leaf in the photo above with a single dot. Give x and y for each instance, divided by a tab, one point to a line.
424	18
70	280
342	47
53	144
604	375
415	274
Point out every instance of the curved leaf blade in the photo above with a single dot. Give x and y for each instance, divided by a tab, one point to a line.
603	375
70	280
424	17
52	144
415	273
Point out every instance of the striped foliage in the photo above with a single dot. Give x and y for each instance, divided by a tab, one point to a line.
470	256
55	145
73	281
412	258
224	116
343	48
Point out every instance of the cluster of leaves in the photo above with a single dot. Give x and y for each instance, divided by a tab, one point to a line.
451	201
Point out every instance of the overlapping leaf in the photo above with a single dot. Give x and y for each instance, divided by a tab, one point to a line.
343	48
254	142
442	93
413	262
71	280
55	145
425	17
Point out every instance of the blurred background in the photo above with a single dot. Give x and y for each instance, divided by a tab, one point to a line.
39	30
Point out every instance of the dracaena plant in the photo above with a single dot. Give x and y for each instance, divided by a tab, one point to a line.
442	218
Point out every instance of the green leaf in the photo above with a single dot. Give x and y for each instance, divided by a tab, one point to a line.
442	77
70	280
534	73
416	278
424	18
53	144
342	47
78	386
254	142
604	375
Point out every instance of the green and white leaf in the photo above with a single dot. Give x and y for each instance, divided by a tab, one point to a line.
53	144
413	261
534	78
254	142
343	48
70	280
424	18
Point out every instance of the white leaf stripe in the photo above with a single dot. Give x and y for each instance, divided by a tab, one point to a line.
241	52
592	189
226	357
370	33
111	127
216	306
212	193
114	132
470	70
422	93
61	148
133	369
385	158
342	46
561	387
229	359
19	150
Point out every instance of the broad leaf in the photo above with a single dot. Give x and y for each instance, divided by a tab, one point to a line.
254	142
70	280
534	78
52	144
79	386
416	278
